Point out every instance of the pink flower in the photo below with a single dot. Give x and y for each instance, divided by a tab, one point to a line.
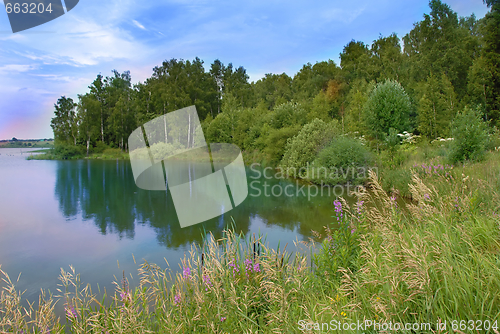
177	299
186	272
71	312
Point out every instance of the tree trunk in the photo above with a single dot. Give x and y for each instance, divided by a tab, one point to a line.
102	126
189	131
165	123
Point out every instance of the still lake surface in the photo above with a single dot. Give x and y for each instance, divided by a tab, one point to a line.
90	214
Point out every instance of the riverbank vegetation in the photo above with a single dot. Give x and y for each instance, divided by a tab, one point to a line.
417	85
29	143
428	261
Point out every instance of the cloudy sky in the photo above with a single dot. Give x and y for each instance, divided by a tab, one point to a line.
62	57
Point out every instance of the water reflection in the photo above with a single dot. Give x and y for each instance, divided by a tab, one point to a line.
105	193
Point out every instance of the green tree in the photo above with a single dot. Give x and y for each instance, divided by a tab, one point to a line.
303	148
387	58
470	135
273	90
436	107
356	62
64	124
236	83
321	108
98	89
490	61
217	70
388	106
220	129
356	101
479	85
311	79
120	121
89	110
286	115
345	159
438	44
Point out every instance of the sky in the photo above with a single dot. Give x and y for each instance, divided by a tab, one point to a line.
63	57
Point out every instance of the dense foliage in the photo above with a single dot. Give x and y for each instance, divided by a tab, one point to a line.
470	134
416	84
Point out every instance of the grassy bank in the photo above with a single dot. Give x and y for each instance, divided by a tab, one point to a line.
27	144
434	260
107	154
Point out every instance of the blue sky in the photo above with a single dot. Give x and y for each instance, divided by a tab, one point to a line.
62	57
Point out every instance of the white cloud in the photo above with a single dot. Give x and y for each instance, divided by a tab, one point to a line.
342	15
81	38
139	25
16	68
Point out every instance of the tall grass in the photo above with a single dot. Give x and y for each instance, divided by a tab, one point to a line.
433	259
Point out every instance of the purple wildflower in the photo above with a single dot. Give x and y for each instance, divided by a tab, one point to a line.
256	268
427	197
70	311
207	282
125	296
222	319
248	265
394	202
235	267
186	272
353	230
177	299
359	207
338	209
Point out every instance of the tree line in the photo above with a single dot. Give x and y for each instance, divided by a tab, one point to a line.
443	65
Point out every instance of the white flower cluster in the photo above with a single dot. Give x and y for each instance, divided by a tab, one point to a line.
355	135
442	139
408	137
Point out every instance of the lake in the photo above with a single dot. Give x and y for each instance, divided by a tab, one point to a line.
90	214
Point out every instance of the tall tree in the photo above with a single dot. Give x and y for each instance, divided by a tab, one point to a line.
491	60
97	88
64	124
388	106
436	107
356	62
387	58
311	79
217	70
273	90
437	45
89	109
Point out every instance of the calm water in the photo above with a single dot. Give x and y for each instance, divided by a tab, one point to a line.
91	215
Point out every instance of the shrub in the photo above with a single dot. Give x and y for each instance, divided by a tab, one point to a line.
100	147
303	148
345	160
66	151
287	114
470	135
220	129
274	143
